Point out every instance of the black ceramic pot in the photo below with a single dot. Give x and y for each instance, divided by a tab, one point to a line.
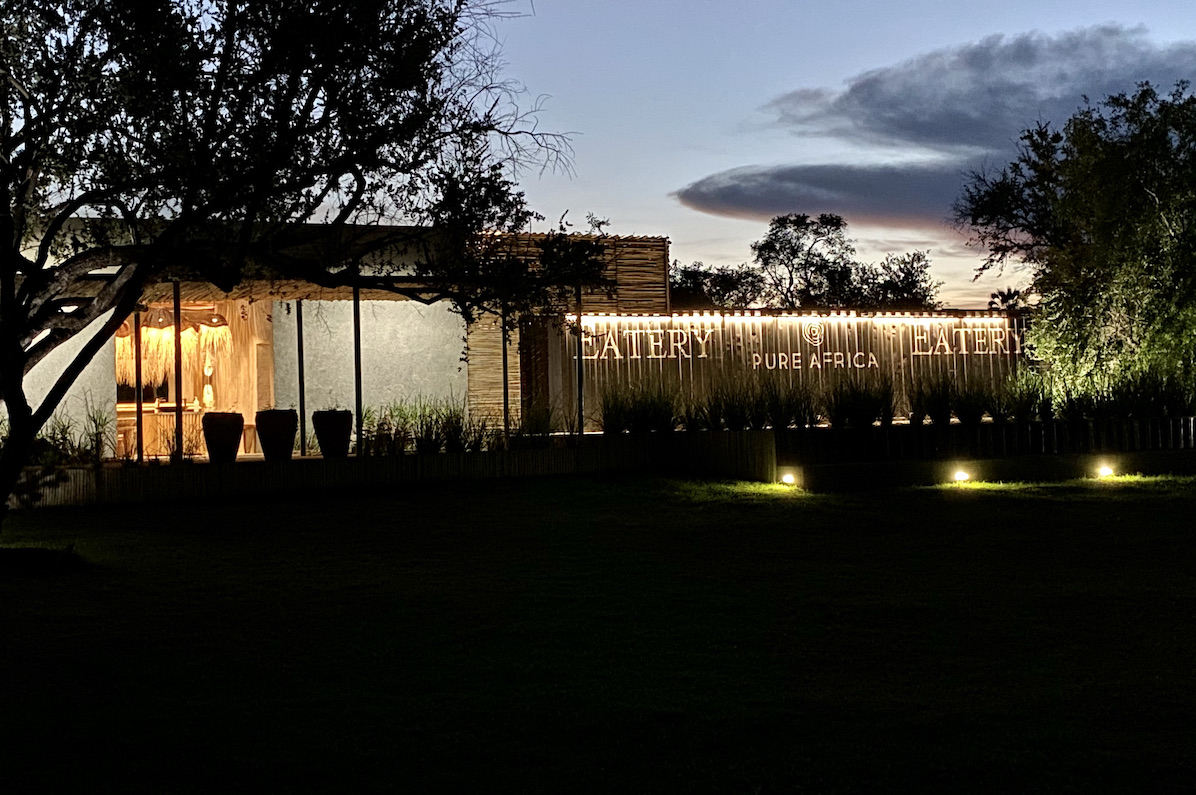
222	434
333	428
276	429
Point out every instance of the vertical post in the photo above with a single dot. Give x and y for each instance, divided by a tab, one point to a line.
302	380
581	374
178	373
506	393
140	427
357	360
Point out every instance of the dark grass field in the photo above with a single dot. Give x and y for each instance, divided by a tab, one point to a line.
624	636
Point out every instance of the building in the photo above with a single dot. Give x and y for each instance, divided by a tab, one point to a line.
271	342
290	343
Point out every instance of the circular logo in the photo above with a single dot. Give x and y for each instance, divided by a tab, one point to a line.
813	332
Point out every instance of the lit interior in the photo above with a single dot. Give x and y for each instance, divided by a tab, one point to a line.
224	368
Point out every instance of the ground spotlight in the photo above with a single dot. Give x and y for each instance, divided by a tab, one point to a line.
1105	471
787	475
961	476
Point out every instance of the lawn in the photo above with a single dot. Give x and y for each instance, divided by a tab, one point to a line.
616	635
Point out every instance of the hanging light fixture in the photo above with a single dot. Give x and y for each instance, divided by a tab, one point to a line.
204	331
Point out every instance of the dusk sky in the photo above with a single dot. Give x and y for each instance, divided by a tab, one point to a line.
700	121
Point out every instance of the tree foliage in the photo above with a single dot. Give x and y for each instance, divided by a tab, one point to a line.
810	263
900	282
1102	212
701	286
191	138
1007	300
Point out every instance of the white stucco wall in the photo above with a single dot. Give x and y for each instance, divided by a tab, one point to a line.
95	387
409	351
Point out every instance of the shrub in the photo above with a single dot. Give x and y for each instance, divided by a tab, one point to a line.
1023	395
730	404
1151	394
778	408
932	398
970	401
693	413
653	407
477	435
453	426
427	429
613	408
858	404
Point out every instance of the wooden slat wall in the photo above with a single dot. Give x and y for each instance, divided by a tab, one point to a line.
639	266
485	371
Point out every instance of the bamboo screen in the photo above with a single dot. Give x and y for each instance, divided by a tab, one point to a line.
485	371
639	270
637	267
696	351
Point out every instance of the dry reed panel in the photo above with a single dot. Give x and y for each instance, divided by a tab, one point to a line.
642	274
485	370
638	268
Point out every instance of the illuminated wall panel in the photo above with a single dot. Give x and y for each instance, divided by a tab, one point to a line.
696	350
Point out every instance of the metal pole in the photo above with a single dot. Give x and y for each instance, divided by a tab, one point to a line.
137	382
302	382
357	360
581	375
178	374
506	394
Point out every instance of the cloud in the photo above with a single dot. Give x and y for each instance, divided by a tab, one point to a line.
959	107
909	195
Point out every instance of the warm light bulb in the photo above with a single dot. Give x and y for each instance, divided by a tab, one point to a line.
961	475
788	479
1105	472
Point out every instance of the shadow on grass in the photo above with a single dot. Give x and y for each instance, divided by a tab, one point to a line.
40	562
607	634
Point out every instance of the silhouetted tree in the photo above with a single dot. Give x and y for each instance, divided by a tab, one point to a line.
1101	213
188	138
903	283
699	286
810	263
1007	300
807	262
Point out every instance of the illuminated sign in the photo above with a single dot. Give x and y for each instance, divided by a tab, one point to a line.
615	341
792	341
696	349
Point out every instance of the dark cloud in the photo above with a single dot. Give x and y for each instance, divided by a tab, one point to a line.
891	195
981	95
967	104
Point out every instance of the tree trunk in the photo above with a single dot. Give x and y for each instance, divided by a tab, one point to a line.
17	446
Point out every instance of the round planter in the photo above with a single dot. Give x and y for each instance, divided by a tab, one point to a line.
222	435
276	430
333	428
